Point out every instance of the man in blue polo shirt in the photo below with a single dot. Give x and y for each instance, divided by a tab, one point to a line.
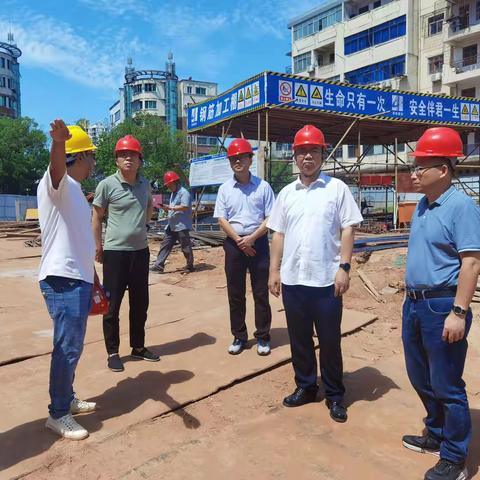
243	204
443	264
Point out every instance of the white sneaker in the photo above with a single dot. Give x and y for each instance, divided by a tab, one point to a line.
263	347
237	346
67	427
81	406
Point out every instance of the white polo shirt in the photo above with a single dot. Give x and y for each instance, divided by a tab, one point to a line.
311	218
68	247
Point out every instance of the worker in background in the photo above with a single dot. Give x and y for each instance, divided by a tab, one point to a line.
66	271
179	217
242	207
443	264
313	221
125	197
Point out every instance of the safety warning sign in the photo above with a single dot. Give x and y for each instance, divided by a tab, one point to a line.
241	99
256	93
474	113
316	95
285	91
301	93
465	111
248	96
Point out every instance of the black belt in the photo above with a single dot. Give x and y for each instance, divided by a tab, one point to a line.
424	294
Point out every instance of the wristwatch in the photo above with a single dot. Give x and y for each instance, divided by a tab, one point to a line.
345	266
457	310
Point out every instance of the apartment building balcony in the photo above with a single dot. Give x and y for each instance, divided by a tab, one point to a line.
462	29
467	68
325	71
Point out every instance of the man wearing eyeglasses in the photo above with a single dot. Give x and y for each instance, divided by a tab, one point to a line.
243	204
313	221
443	264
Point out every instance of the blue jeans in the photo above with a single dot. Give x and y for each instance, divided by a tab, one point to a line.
435	369
68	303
304	308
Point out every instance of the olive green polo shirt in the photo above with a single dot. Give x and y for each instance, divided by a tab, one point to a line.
126	211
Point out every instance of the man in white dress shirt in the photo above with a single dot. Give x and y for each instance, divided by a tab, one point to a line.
313	222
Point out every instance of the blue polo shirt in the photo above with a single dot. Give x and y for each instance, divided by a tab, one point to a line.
178	221
245	207
440	231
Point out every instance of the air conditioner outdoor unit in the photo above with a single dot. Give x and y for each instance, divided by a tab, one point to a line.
436	76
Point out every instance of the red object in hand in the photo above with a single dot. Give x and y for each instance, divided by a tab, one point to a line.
100	303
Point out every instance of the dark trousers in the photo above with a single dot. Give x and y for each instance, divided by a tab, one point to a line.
435	369
305	307
183	238
236	266
122	269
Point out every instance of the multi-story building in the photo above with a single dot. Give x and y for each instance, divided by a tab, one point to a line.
10	104
162	93
95	130
416	45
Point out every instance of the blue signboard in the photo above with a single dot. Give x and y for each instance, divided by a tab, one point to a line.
245	97
269	89
359	101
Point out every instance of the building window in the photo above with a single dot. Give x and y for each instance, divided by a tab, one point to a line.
377	4
137	105
352	151
435	64
200	90
301	62
377	35
377	72
363	9
150	87
202	140
468	92
213	141
477	9
2	62
2	82
469	56
435	24
137	88
117	115
378	150
9	64
150	104
317	23
189	89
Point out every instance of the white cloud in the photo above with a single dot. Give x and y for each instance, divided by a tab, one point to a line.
55	46
118	7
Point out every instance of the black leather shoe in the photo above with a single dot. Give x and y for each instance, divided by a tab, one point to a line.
300	396
337	411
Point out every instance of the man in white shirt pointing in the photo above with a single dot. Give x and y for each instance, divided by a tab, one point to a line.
313	222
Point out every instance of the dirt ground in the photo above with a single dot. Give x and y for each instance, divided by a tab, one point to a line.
224	417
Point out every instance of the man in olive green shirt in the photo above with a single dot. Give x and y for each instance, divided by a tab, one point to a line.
125	198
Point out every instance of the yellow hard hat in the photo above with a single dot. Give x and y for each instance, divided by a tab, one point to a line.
79	142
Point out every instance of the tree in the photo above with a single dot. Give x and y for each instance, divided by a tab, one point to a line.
162	149
83	122
23	155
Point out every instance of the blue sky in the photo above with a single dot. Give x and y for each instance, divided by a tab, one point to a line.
74	53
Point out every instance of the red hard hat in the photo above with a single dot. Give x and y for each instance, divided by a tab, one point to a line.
170	177
309	135
238	147
439	142
128	142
